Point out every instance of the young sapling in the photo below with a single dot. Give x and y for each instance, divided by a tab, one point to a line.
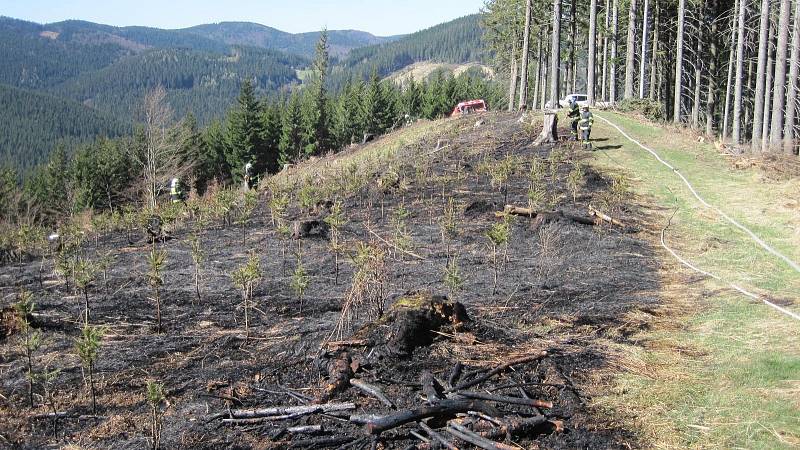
87	346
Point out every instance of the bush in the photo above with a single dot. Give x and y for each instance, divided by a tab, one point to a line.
650	109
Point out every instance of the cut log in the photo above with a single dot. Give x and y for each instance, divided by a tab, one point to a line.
604	217
506	399
340	371
543	217
449	408
549	134
281	411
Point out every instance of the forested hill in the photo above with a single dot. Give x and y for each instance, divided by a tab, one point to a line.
32	121
100	73
457	41
255	35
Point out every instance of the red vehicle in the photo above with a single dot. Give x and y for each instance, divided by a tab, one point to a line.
469	107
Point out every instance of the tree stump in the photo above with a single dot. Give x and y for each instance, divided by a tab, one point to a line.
549	134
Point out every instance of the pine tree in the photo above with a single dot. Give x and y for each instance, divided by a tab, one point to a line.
244	133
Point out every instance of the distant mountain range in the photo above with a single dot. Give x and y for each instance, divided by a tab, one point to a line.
106	70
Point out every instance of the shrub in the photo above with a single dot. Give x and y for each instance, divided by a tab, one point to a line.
648	108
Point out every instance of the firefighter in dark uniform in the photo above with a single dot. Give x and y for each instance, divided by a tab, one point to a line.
585	126
574	114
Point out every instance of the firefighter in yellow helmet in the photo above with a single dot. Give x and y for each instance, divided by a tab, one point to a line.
585	127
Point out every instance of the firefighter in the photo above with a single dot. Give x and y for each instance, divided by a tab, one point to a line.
248	169
585	125
175	191
574	114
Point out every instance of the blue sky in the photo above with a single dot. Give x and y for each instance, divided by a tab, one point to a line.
380	17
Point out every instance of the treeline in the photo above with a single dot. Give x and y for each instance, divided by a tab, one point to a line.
458	41
32	122
263	131
725	67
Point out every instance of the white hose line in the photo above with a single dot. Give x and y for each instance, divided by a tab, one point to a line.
718	278
757	239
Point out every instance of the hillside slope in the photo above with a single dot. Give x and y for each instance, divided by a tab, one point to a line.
33	122
410	215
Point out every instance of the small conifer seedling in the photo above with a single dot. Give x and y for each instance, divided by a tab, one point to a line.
31	339
87	346
245	279
155	397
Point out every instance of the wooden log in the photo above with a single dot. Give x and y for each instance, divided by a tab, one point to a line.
437	437
306	429
447	407
464	434
501	368
604	217
373	391
283	411
543	217
505	399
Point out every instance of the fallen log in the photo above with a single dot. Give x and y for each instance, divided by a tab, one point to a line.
464	434
373	391
447	407
542	217
285	411
501	368
505	399
516	427
604	217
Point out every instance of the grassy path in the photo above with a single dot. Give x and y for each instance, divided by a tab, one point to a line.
724	371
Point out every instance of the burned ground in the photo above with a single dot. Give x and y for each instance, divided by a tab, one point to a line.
563	287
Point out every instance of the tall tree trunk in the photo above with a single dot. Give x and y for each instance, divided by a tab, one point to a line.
676	109
630	48
538	78
794	79
729	83
612	88
590	66
604	77
573	44
643	56
755	142
737	95
654	53
543	91
512	86
779	97
767	91
712	70
526	38
555	51
698	78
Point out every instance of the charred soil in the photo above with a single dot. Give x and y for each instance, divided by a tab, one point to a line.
563	287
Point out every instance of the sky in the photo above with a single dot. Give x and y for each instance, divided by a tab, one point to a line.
379	17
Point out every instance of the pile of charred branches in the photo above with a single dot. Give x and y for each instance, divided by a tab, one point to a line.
459	412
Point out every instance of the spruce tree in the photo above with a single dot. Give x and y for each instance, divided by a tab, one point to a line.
244	133
373	106
271	137
291	143
411	100
315	117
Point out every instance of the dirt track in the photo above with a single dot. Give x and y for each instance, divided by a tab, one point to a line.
565	287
